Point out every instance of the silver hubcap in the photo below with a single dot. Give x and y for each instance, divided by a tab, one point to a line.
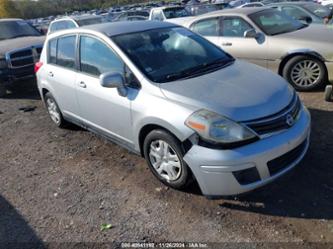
165	160
53	110
305	73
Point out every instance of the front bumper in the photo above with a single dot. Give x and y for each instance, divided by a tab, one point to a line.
329	67
215	169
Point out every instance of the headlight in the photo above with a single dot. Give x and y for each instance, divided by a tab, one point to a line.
216	128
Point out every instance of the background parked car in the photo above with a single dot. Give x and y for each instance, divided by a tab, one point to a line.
132	15
253	4
20	47
74	22
168	13
301	53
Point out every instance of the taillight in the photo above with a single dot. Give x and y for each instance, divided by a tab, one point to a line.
38	65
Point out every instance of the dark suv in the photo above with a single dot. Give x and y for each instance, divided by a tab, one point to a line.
20	48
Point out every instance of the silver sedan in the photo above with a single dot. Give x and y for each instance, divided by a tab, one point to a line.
302	54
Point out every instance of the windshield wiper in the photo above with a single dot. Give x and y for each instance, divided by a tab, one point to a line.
204	67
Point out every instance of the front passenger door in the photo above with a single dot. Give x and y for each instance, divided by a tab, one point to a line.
233	41
103	109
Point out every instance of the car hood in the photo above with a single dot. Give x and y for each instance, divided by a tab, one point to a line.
20	42
241	91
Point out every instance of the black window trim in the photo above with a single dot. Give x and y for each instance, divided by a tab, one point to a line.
234	16
78	56
209	18
48	52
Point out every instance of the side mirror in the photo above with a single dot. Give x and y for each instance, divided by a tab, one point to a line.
306	19
114	80
251	33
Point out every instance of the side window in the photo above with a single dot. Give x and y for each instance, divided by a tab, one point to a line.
294	12
52	58
66	52
157	15
234	27
97	58
207	27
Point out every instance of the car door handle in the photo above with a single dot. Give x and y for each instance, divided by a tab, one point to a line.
51	74
226	44
82	84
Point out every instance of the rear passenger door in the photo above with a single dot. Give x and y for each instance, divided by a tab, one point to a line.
102	109
209	28
61	73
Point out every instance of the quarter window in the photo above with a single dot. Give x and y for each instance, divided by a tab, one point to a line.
207	27
234	27
66	52
53	51
97	58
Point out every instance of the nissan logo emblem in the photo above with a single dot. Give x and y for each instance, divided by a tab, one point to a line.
290	120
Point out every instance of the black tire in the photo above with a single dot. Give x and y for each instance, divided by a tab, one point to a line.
3	90
185	176
329	93
61	123
290	67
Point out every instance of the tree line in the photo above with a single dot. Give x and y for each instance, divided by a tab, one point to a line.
28	9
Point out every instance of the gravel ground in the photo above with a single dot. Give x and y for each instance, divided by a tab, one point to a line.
61	185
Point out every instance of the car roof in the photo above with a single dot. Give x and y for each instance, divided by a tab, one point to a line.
292	3
118	28
10	19
168	7
242	11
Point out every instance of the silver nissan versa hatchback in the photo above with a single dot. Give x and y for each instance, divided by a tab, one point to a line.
193	111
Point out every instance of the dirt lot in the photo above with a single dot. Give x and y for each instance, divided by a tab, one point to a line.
61	185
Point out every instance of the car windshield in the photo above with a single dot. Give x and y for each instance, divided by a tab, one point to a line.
14	29
168	54
318	10
89	21
175	12
274	22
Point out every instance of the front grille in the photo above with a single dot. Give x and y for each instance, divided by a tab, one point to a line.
280	163
278	121
23	57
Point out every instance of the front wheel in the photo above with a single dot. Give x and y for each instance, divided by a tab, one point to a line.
305	73
164	155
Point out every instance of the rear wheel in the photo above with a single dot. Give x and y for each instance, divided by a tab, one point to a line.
305	73
164	155
329	93
54	111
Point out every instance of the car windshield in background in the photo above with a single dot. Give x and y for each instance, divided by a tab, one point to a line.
317	9
175	12
89	21
274	22
196	10
168	54
13	29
